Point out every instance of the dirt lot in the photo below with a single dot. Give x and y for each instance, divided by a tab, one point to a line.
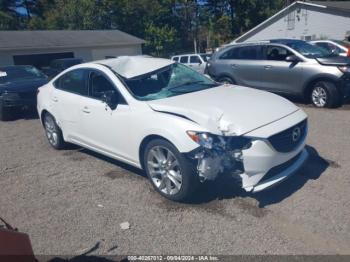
74	200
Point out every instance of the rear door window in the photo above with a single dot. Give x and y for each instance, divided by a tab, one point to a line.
184	59
176	58
243	53
195	59
74	81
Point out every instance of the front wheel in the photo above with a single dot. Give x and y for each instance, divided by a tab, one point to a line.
171	174
53	132
325	94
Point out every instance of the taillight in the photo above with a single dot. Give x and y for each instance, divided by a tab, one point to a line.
349	52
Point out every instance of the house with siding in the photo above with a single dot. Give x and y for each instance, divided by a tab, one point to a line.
39	48
309	20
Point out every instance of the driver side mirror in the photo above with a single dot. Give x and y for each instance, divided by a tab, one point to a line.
292	58
111	98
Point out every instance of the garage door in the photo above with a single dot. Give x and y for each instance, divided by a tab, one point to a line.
40	60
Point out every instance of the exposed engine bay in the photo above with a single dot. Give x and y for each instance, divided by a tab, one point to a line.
220	153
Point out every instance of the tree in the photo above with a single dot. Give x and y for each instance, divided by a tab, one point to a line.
168	26
8	15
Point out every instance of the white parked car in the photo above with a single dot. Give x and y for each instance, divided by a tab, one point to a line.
178	125
197	62
341	48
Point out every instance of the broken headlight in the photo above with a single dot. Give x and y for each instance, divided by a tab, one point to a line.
203	139
211	141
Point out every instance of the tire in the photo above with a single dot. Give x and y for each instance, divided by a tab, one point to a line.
175	180
53	132
226	80
5	113
325	94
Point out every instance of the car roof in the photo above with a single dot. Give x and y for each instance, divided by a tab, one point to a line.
131	66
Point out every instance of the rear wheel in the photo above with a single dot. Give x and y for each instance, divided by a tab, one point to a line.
226	80
325	94
53	132
5	112
171	174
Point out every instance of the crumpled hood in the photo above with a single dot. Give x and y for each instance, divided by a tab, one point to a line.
228	109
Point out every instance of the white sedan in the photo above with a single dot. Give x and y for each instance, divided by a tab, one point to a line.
181	127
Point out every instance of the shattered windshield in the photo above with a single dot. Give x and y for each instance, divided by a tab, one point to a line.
171	80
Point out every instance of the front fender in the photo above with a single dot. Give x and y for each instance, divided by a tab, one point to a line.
319	77
170	127
173	129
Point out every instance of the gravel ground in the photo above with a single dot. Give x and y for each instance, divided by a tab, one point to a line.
74	200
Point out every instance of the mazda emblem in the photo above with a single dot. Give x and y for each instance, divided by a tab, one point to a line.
296	134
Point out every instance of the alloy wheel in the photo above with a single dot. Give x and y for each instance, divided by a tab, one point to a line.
51	131
164	170
319	96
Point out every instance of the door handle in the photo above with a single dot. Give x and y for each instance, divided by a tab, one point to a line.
267	66
86	110
55	99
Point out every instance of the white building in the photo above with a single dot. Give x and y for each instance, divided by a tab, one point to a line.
38	48
309	20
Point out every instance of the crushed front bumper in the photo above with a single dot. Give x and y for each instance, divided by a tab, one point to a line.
281	172
265	167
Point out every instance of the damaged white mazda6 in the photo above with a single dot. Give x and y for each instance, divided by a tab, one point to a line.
181	127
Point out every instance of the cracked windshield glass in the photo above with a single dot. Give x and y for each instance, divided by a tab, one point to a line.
169	81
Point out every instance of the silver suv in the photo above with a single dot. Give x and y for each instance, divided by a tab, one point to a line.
285	66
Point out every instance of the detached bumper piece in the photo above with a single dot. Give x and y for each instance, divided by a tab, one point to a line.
279	173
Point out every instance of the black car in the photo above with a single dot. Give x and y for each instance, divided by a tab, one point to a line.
58	65
18	88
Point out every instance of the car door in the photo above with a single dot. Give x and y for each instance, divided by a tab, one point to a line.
278	74
102	127
196	63
69	89
243	64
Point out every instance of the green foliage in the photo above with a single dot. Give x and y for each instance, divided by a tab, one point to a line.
159	39
168	26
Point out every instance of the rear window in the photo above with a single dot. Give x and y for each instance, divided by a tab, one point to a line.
74	82
176	58
18	73
243	53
